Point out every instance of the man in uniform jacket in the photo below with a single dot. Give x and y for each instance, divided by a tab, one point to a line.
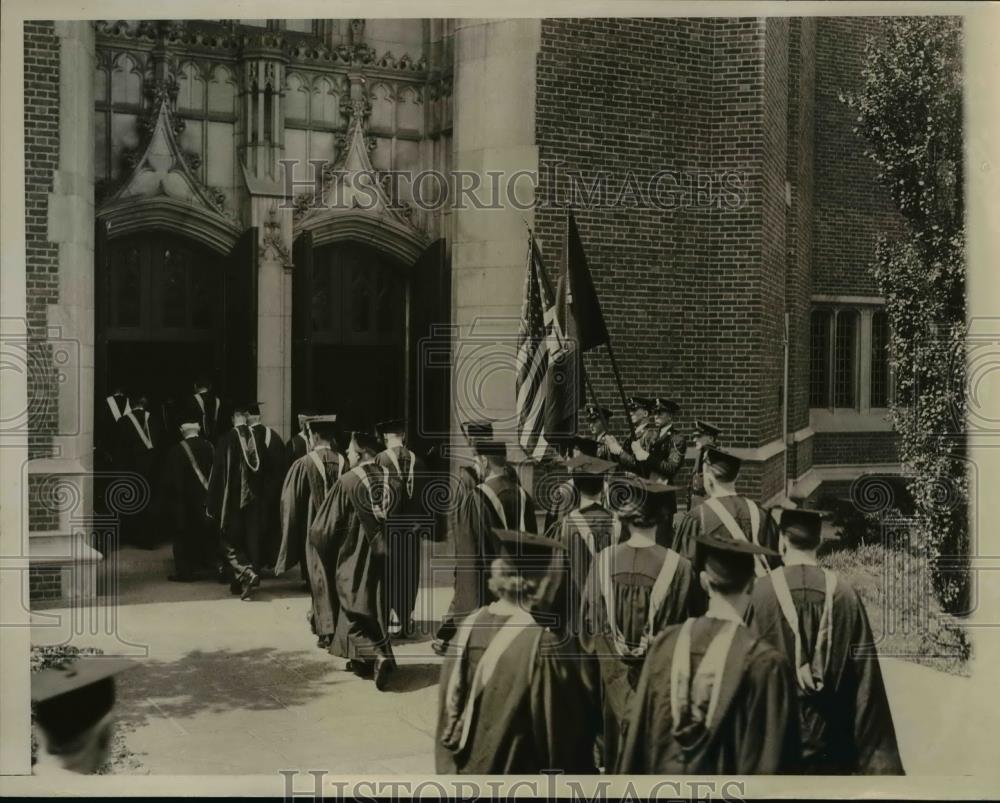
713	698
186	469
597	418
661	454
511	699
625	455
817	620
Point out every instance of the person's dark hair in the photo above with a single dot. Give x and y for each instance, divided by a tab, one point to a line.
506	583
588	484
327	432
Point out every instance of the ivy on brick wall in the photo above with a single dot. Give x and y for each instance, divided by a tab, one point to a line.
909	112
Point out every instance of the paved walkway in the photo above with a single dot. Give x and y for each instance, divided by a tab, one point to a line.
232	687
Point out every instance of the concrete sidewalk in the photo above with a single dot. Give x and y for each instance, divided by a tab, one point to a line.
232	687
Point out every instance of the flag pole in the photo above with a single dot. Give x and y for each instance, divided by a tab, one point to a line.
621	390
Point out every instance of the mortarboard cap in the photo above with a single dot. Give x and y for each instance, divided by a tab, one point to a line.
588	464
723	465
74	697
248	406
803	528
366	441
637	497
491	448
394	426
594	412
728	561
478	430
704	428
526	550
661	405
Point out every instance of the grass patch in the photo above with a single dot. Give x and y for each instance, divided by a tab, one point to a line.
906	618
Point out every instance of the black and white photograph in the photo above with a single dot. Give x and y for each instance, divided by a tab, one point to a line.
595	397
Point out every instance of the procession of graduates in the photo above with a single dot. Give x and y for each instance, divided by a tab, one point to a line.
602	639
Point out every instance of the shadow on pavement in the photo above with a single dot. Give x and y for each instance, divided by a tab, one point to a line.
200	682
413	677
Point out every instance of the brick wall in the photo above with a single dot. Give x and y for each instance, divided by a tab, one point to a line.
853	448
692	295
44	583
800	155
847	195
41	144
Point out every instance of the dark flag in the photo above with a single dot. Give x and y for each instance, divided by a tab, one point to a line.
591	330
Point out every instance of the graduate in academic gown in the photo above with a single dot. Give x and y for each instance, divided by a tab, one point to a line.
106	415
633	591
725	511
298	444
511	699
184	483
73	706
235	492
497	501
309	481
349	535
705	435
816	619
564	496
272	471
583	532
209	406
136	439
713	698
409	476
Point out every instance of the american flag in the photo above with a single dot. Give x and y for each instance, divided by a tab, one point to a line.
538	341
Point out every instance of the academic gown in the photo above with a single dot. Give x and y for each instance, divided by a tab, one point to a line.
349	536
235	491
272	450
134	455
303	493
633	572
208	406
408	476
106	415
702	519
476	546
184	496
530	715
847	726
583	532
297	446
754	729
666	454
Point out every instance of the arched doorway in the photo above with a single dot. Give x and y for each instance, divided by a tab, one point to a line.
350	320
372	337
159	321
